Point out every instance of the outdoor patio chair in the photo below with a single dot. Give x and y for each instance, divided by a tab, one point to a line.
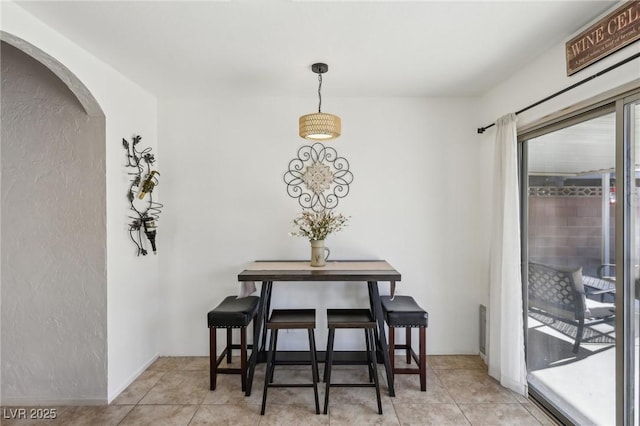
599	287
559	293
607	271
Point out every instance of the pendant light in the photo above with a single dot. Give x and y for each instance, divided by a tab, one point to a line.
320	125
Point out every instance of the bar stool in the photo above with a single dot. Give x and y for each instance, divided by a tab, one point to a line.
352	318
232	312
404	312
290	319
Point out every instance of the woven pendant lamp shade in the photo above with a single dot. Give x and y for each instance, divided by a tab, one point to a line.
320	126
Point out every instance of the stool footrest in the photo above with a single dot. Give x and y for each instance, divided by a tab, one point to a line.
413	355
291	362
224	353
229	370
406	371
352	385
291	385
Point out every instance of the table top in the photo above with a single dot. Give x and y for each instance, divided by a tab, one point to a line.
301	270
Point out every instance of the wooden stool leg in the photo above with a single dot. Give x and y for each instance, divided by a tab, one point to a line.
243	357
423	359
229	344
213	365
392	347
408	340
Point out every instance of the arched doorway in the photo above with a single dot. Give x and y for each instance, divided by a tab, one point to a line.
53	233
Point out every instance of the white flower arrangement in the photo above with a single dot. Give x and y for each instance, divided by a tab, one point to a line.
317	226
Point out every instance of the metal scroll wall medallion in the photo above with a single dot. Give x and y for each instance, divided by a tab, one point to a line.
318	177
145	211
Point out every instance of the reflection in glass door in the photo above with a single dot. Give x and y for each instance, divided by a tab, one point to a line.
571	289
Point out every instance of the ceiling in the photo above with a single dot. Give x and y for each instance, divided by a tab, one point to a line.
266	47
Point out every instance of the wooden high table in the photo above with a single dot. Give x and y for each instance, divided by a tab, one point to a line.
369	271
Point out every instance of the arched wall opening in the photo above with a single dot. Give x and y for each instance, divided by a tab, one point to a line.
53	233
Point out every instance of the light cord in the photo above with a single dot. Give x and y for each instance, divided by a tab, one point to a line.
319	94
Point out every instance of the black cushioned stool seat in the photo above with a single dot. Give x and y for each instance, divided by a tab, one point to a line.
404	312
291	319
345	319
232	312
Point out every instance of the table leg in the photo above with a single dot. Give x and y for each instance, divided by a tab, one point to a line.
263	310
267	308
376	306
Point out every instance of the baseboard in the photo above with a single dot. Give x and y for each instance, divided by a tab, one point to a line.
50	402
132	378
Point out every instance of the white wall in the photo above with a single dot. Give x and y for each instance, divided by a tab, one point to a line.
413	202
132	282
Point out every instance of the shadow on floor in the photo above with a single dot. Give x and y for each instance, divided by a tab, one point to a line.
545	350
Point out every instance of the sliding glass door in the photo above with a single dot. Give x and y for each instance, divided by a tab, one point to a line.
581	242
571	236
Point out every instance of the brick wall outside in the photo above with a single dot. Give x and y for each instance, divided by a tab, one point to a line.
567	231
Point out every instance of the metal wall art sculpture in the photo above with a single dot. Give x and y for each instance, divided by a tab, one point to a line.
147	211
318	177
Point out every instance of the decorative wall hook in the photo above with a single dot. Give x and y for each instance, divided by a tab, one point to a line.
144	180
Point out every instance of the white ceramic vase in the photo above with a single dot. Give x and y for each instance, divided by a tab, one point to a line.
319	253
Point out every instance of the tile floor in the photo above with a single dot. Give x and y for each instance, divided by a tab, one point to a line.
175	391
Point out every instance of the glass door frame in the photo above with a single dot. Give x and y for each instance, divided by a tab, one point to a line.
625	255
625	299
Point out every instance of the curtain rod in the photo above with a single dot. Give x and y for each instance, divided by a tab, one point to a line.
566	89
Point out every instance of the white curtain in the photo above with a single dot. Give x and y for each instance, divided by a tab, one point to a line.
506	335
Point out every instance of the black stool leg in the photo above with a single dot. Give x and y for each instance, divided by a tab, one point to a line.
243	357
274	334
270	367
267	308
314	368
370	338
315	355
213	365
327	368
368	349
